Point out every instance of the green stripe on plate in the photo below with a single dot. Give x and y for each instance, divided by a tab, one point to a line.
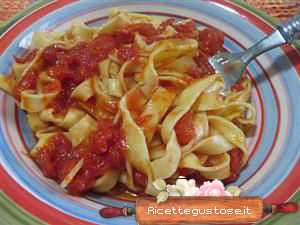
37	4
285	219
270	19
12	214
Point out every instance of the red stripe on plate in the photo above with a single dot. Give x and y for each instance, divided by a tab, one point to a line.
292	183
33	205
287	188
259	22
16	192
25	22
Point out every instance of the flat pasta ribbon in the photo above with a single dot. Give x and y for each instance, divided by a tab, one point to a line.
128	103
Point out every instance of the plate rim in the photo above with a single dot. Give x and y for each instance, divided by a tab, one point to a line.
4	26
18	211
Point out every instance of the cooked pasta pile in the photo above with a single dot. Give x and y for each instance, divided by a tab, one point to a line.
129	102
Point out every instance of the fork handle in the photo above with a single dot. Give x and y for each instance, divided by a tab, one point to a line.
287	32
290	29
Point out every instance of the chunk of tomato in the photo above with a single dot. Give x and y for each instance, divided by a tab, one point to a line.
236	156
127	53
27	82
210	41
169	22
140	179
203	66
192	174
187	27
27	57
185	130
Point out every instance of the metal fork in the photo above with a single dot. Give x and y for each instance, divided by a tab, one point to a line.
233	65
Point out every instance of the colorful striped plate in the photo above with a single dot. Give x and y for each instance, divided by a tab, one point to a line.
274	166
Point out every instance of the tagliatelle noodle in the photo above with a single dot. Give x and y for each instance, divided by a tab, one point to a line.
136	111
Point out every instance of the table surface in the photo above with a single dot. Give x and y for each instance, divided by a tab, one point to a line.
281	9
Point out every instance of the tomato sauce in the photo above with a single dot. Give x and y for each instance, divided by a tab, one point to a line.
74	65
128	53
27	57
185	130
104	149
63	101
27	82
80	62
185	30
169	22
192	174
203	66
203	69
210	41
140	179
136	101
238	86
236	156
145	29
52	86
56	158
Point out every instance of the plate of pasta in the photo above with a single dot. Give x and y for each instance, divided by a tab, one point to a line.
101	98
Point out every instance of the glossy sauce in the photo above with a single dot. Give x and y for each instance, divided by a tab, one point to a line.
136	101
102	150
192	174
72	66
184	128
104	147
140	179
210	41
236	156
128	53
27	57
56	159
27	82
